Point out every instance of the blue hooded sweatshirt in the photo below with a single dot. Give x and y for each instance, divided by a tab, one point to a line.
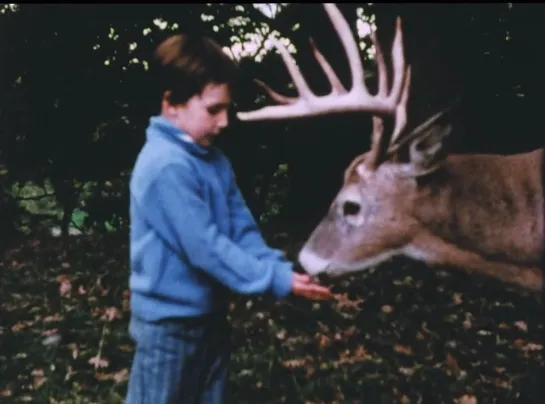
192	239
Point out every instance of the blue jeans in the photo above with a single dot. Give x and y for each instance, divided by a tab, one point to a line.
180	361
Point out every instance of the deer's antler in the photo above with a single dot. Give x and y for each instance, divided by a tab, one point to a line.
387	102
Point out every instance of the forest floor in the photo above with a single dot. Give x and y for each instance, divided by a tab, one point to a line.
402	333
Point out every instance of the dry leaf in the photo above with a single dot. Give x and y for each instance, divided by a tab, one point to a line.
323	341
65	287
350	331
121	376
38	378
294	363
457	298
467	322
343	302
466	399
54	317
521	325
99	362
405	400
111	313
406	371
403	349
361	352
453	366
387	309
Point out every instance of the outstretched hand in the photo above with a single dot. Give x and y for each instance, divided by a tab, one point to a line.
302	286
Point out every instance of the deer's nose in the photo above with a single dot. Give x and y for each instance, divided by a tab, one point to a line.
311	262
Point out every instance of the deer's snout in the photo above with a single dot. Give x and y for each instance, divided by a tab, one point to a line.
311	262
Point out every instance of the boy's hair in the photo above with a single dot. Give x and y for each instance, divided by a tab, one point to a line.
184	64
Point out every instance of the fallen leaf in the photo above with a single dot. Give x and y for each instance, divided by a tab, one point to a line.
6	393
323	340
406	371
65	287
38	378
466	399
387	309
453	366
99	362
294	363
403	349
54	317
344	302
521	325
111	313
457	298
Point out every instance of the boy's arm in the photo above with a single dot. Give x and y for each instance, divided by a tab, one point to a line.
246	232
177	212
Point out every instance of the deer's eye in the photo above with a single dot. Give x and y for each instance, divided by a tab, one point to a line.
351	208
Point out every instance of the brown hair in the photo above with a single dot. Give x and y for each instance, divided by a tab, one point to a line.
184	64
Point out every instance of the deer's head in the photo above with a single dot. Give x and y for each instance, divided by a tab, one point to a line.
371	218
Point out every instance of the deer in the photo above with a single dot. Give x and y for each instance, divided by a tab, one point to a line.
407	195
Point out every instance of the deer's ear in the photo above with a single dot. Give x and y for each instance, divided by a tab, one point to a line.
425	147
428	151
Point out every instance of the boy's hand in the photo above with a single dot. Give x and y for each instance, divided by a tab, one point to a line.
302	286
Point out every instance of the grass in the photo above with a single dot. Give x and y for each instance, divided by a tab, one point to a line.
401	334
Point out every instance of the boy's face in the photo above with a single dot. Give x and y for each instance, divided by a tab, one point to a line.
204	115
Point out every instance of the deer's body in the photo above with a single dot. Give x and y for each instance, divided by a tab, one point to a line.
480	213
491	205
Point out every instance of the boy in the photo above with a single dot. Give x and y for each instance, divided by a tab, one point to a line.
193	239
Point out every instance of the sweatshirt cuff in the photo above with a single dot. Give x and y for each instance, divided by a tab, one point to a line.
282	280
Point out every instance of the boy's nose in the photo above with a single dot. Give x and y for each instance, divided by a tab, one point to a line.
223	120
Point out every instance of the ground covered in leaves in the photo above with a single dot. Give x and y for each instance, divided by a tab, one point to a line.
401	334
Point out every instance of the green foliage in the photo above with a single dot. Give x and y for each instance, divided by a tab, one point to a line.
102	206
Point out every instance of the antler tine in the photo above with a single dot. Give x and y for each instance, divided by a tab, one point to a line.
401	110
279	98
339	100
399	94
378	124
350	46
293	69
398	63
336	85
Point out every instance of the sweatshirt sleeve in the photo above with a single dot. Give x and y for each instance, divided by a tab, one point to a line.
246	233
177	212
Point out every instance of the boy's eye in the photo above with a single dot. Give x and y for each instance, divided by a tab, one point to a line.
215	109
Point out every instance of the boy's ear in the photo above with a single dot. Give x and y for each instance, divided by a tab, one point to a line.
166	106
166	96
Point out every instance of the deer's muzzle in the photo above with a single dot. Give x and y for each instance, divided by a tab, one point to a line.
311	262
